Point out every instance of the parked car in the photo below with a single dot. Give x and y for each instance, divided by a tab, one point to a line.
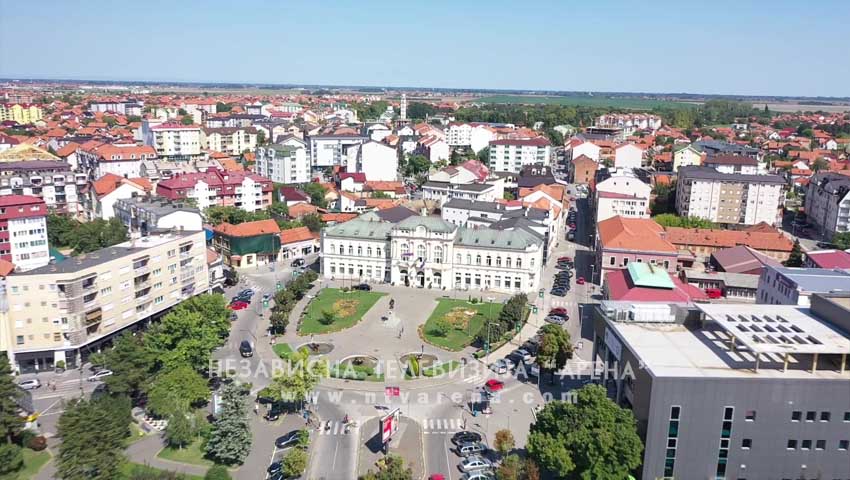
288	440
565	259
493	385
554	319
526	357
463	437
475	462
274	468
478	475
365	287
580	281
246	349
571	236
233	317
470	448
500	367
100	375
298	262
247	292
559	292
238	305
267	296
30	384
558	311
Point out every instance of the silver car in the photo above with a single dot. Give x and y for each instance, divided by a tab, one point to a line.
30	384
474	462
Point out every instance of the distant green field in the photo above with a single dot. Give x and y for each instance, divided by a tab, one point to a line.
584	101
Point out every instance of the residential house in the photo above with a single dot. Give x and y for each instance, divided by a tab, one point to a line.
101	195
628	156
686	155
231	140
583	170
248	244
741	259
622	194
622	240
298	243
510	155
378	161
704	242
284	163
828	259
247	191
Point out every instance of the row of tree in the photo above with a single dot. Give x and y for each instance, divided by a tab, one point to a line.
285	300
513	314
672	220
84	237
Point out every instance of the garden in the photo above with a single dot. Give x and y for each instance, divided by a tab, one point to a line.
336	309
454	324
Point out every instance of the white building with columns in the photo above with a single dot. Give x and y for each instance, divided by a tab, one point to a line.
429	252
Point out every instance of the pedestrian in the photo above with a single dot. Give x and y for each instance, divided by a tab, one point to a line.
256	408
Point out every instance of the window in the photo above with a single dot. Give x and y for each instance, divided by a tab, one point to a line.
19	339
796	416
843	444
847	416
824	416
806	445
625	261
342	250
750	416
359	251
478	259
369	251
810	416
747	443
489	260
508	262
457	259
791	445
499	264
820	445
674	412
351	250
519	263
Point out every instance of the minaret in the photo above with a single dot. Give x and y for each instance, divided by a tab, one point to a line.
403	107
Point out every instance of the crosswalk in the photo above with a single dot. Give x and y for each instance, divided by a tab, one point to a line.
336	428
442	425
474	379
557	302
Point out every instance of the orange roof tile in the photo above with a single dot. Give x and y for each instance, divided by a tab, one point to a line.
761	239
640	234
294	235
248	229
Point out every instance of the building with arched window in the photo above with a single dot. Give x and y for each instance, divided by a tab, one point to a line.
429	252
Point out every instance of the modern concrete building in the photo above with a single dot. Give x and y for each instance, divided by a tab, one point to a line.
173	141
247	191
794	286
729	198
52	181
23	114
828	203
510	155
23	231
145	215
429	252
230	140
331	150
622	194
284	163
66	311
732	391
377	161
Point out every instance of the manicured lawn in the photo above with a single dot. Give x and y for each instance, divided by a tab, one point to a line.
468	319
191	454
349	308
33	463
282	350
129	469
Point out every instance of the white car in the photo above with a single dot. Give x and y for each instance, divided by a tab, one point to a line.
499	366
478	475
100	375
30	384
474	462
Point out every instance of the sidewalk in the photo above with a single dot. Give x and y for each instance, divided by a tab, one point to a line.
406	443
144	452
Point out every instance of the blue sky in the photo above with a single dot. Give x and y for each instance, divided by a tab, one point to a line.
727	47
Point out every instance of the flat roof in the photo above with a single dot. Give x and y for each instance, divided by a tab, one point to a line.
88	260
820	280
777	330
675	350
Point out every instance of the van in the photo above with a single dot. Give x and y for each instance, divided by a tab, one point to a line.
713	292
246	349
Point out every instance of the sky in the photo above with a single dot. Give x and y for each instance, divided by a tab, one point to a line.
742	47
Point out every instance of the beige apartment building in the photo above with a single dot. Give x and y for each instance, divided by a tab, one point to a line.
729	198
68	310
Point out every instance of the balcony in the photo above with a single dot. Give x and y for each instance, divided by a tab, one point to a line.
142	284
93	317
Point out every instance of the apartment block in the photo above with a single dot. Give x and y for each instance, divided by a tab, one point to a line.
247	191
23	114
283	163
145	215
52	181
173	141
729	198
331	150
828	203
66	311
510	155
23	231
732	391
230	140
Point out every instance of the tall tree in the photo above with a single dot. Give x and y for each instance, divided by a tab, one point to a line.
302	376
795	258
175	390
131	364
230	439
294	463
10	421
179	432
394	470
504	442
317	194
183	338
93	434
555	349
313	222
592	438
841	240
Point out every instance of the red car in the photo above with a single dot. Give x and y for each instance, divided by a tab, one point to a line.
558	311
565	259
238	305
494	385
580	281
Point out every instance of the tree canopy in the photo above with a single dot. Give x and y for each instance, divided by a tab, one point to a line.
592	438
174	390
795	258
317	194
300	377
190	333
10	421
671	220
93	434
130	362
230	439
555	349
84	237
233	215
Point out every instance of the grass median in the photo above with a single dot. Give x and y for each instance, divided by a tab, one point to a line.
454	324
347	309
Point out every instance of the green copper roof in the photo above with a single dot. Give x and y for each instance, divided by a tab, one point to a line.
433	224
360	228
646	275
516	239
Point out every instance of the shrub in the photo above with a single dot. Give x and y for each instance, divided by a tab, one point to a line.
60	364
327	317
413	366
11	458
217	472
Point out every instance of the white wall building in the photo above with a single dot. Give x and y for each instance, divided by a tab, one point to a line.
173	141
428	252
704	192
577	147
629	156
794	286
330	150
378	161
510	155
622	194
476	137
283	163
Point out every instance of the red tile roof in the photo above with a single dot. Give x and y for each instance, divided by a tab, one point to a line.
294	235
759	240
639	234
248	229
